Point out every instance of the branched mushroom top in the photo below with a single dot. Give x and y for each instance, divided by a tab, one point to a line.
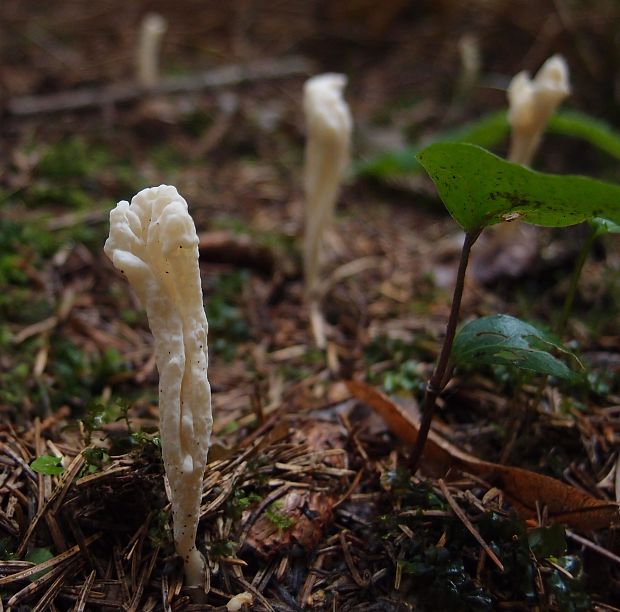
532	102
153	241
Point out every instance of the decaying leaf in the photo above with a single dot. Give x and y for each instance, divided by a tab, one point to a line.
524	489
299	516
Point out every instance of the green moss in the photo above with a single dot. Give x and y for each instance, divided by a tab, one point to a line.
71	158
227	325
159	531
222	548
166	157
279	519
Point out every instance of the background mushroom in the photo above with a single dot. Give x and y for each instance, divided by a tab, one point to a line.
329	125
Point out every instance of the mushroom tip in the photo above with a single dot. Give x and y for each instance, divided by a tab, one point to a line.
155	23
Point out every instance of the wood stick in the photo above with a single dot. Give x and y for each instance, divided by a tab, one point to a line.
105	95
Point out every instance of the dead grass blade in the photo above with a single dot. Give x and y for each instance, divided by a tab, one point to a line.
468	525
80	604
46	565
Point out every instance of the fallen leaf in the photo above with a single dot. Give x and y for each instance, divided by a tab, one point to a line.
525	490
304	511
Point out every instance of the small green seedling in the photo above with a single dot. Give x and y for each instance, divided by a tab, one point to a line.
48	465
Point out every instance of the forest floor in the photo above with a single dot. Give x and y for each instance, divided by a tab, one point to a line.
308	503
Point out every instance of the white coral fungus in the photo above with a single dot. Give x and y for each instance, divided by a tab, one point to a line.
153	242
329	125
531	104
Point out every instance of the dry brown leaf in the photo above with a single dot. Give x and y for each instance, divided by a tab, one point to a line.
307	512
526	490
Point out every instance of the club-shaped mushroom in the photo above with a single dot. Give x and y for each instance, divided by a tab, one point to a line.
329	126
153	242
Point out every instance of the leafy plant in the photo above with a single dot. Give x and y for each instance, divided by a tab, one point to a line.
48	465
159	532
565	578
480	189
96	458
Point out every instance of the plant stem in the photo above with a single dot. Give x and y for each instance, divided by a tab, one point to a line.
439	380
572	290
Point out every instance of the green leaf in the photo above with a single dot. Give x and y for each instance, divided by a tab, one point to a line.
486	132
548	541
489	131
505	340
38	556
594	131
480	189
46	464
605	226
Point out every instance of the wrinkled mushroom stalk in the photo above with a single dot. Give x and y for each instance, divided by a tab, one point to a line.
153	242
329	126
531	104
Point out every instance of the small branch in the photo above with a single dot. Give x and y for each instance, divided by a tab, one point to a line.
224	76
572	290
439	380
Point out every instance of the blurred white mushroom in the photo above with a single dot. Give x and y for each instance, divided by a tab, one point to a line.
153	242
329	126
152	30
531	104
471	64
239	601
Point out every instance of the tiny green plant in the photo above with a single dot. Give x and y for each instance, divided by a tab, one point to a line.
48	465
480	189
279	518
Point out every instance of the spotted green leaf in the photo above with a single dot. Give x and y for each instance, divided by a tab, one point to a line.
505	340
480	189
